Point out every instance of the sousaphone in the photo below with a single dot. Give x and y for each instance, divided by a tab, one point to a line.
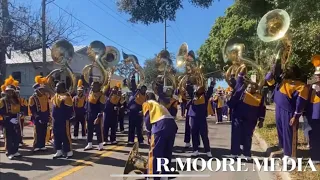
135	162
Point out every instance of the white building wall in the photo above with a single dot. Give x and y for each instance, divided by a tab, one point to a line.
28	72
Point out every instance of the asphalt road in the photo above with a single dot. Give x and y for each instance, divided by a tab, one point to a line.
96	165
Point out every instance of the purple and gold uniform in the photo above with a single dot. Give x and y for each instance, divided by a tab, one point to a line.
122	109
95	105
62	111
244	123
163	128
198	118
312	112
10	111
111	115
170	103
135	113
40	112
79	102
187	130
220	102
290	97
183	102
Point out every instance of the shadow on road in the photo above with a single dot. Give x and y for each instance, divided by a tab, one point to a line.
10	175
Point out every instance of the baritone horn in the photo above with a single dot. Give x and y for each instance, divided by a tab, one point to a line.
273	26
62	53
135	162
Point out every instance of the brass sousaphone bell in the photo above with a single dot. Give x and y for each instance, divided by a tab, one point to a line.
62	53
135	162
274	26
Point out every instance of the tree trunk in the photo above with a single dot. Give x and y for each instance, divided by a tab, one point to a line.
4	39
2	64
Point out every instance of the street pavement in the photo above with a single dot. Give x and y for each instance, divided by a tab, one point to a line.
96	165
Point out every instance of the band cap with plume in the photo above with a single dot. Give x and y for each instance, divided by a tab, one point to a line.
118	85
39	82
80	85
316	62
10	84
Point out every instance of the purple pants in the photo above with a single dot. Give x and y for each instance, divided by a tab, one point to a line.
314	136
161	146
225	110
199	127
285	131
219	114
241	134
187	131
183	108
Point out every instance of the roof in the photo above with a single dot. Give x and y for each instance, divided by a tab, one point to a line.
18	58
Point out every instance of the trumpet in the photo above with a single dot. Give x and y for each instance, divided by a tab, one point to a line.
62	53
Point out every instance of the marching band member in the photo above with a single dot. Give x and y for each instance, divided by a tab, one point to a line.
111	115
135	111
122	109
24	110
95	105
62	112
219	100
162	129
244	123
198	118
183	102
187	130
80	112
290	96
10	110
313	113
40	113
167	100
3	89
229	95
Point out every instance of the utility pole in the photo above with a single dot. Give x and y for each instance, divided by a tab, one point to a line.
44	44
4	38
165	34
165	45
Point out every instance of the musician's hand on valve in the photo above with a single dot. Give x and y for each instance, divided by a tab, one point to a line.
14	121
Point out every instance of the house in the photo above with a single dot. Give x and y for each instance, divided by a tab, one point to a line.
21	68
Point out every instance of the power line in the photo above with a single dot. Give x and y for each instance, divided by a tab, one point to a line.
119	20
97	31
178	29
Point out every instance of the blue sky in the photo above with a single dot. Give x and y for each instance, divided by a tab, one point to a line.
192	26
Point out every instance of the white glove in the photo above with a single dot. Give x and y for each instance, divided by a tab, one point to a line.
40	121
14	121
115	108
316	87
175	97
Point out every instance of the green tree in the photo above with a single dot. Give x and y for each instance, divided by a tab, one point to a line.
147	11
150	70
241	20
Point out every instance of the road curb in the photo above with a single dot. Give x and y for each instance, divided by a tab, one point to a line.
269	153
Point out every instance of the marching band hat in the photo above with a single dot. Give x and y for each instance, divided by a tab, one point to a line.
10	84
80	85
316	62
39	82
